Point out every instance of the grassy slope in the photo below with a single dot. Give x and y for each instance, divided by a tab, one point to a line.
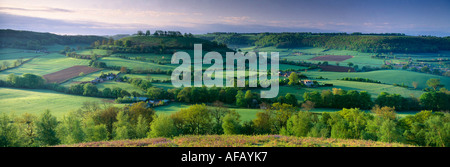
360	59
36	101
386	76
134	64
45	65
246	114
123	85
238	141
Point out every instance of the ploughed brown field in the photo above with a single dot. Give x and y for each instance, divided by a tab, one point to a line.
332	58
336	68
68	73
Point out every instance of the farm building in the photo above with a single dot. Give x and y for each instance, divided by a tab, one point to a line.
308	83
284	74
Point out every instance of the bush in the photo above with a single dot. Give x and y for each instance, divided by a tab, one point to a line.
162	126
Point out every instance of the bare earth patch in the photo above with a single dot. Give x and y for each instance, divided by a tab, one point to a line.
332	58
68	73
333	68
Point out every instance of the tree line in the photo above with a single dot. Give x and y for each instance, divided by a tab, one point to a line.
93	122
338	98
36	40
372	43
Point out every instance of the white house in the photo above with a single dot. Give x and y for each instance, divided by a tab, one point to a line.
308	83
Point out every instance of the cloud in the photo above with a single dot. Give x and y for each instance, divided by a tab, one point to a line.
47	9
235	19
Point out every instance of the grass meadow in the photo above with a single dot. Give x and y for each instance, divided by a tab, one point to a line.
36	101
45	65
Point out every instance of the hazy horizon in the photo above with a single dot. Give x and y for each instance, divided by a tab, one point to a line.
411	17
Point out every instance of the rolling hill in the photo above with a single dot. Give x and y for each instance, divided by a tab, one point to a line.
38	40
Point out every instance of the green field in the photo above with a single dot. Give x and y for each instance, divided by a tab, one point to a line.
146	76
123	85
372	88
45	65
246	114
134	64
92	51
306	53
36	101
385	76
14	54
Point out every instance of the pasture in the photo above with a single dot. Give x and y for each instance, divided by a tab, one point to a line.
246	113
36	101
385	76
331	58
45	64
135	65
123	85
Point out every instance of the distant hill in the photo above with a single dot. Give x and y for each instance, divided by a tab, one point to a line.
158	44
372	43
118	36
38	40
238	141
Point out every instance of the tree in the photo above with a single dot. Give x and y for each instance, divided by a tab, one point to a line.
140	109
280	116
319	129
339	126
389	132
435	100
384	112
90	89
425	69
434	83
438	131
142	127
162	126
248	98
184	95
123	128
197	119
263	122
313	97
390	100
155	93
240	99
301	123
46	129
107	92
8	132
107	117
5	65
123	70
218	112
140	33
27	126
291	99
69	130
308	105
94	132
350	64
415	84
231	123
127	43
293	79
147	33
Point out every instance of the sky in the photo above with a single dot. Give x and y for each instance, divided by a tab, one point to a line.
110	17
